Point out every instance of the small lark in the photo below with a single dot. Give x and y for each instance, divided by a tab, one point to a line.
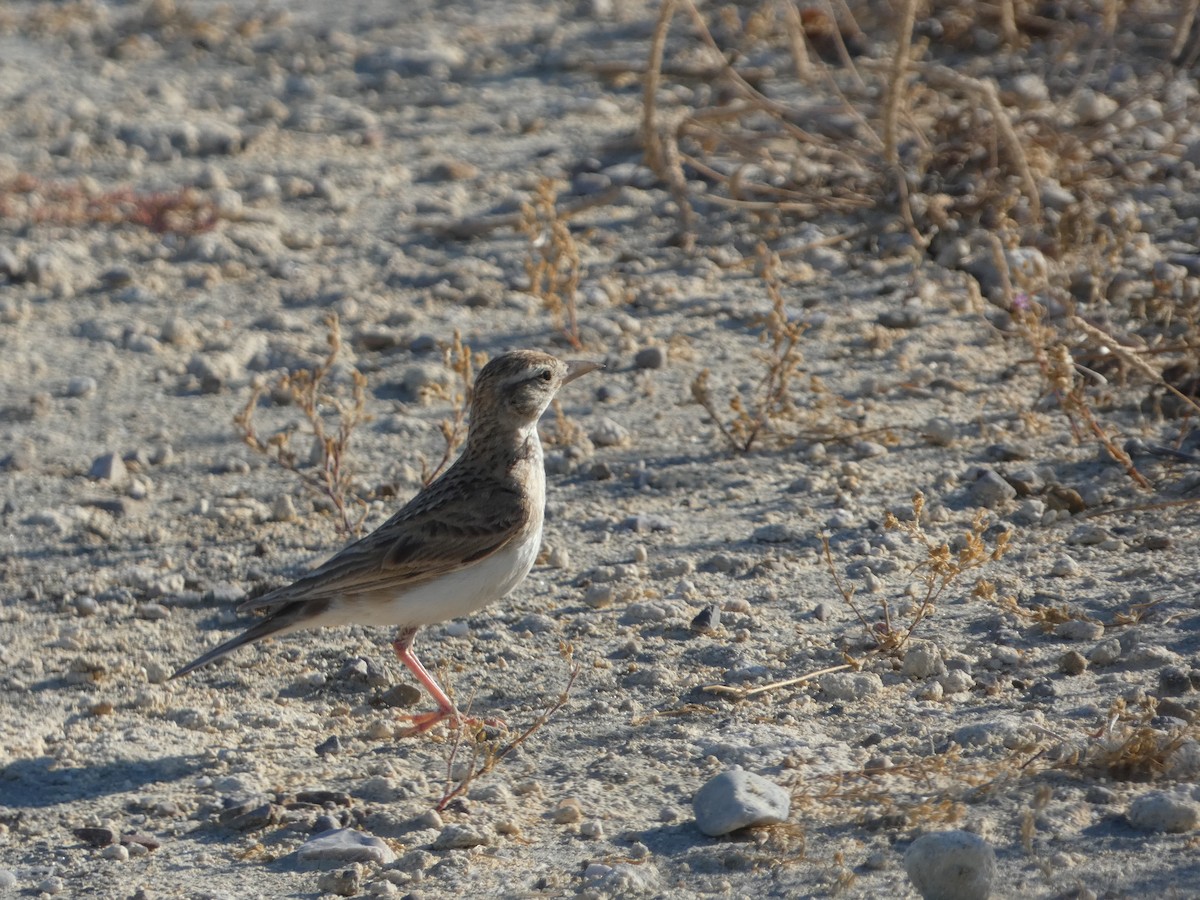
465	540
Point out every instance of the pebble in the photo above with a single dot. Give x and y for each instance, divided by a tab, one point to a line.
989	490
1079	630
1091	108
609	433
343	882
739	799
283	509
643	522
346	845
86	606
116	851
1072	663
109	467
330	745
1065	567
8	880
707	620
956	682
52	885
152	612
922	660
567	812
650	358
1163	811
951	865
940	432
1105	653
850	685
460	837
81	386
599	596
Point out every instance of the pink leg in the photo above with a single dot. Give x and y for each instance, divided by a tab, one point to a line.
446	709
422	722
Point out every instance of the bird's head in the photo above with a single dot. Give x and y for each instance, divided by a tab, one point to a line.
514	389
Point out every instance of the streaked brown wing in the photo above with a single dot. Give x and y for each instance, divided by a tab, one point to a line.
441	530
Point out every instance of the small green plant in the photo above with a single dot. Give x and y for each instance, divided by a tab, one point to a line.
311	393
758	412
553	265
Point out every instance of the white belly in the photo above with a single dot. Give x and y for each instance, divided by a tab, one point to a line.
450	597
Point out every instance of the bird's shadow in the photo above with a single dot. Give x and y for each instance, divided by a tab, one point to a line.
39	782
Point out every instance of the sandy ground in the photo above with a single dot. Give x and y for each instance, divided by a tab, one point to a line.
335	144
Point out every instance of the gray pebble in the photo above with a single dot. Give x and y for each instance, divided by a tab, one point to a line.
951	865
738	799
401	695
907	316
1072	663
1105	653
52	885
1079	630
344	882
922	660
777	533
346	845
329	746
109	467
81	386
707	620
650	358
460	837
940	432
608	433
8	880
644	522
1065	567
1163	811
213	371
989	490
599	596
86	606
152	611
11	265
1030	512
850	685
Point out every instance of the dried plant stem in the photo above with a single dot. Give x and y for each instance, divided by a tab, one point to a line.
897	81
797	42
307	390
746	693
485	756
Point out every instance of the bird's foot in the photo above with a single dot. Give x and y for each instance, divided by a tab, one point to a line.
422	722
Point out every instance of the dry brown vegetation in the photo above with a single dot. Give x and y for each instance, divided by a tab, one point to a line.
34	201
332	412
931	132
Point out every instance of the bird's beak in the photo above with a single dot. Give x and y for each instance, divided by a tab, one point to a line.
577	367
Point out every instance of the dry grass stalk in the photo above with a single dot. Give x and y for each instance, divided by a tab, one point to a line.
1127	747
553	264
487	754
940	569
771	400
458	359
897	80
308	390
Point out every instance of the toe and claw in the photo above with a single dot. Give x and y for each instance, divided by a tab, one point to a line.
422	722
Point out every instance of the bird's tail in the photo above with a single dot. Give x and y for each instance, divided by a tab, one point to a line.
285	619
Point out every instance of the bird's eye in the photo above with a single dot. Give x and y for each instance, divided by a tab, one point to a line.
546	375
